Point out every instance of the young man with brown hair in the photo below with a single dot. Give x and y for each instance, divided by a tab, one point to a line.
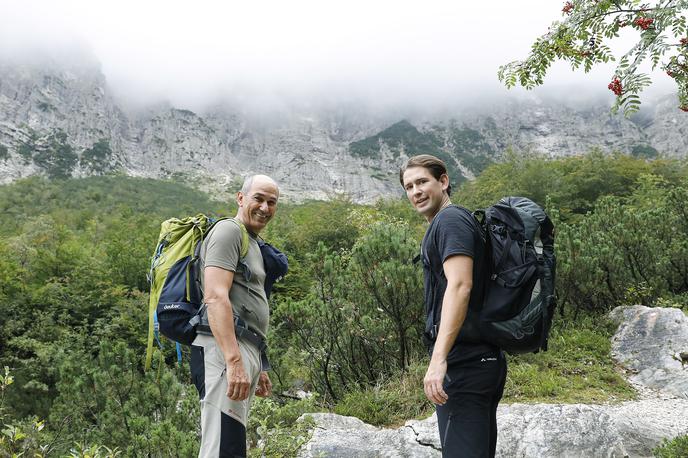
465	377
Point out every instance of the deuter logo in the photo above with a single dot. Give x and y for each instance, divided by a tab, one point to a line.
170	306
482	360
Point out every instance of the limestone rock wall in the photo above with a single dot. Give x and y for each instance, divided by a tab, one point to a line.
305	147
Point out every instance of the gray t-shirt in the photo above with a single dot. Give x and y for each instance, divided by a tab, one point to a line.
222	248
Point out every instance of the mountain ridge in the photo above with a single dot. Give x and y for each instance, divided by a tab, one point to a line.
65	121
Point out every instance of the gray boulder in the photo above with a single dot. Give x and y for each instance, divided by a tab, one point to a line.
652	343
630	429
540	430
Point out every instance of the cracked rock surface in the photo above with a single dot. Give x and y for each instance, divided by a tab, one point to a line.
345	437
646	344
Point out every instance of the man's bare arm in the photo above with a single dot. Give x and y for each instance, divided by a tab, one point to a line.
217	283
459	273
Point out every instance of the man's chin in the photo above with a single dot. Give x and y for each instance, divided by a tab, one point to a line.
257	226
422	208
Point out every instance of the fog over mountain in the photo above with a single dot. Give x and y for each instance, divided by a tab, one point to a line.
61	118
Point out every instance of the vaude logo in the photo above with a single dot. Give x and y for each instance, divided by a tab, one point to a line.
171	306
482	360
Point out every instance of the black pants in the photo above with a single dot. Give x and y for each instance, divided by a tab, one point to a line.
468	420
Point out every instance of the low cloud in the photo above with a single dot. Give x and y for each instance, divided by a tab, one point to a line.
383	52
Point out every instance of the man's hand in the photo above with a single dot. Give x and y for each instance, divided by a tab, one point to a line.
432	383
264	388
237	381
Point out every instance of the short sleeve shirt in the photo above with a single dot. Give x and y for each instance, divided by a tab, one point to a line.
454	231
222	248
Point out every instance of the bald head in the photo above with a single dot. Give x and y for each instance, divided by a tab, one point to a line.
258	180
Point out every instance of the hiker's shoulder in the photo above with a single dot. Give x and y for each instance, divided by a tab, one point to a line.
454	214
226	230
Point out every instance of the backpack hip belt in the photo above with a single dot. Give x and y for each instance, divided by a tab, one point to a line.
242	330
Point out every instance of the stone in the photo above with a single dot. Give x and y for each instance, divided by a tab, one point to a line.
649	342
643	424
338	436
631	429
574	430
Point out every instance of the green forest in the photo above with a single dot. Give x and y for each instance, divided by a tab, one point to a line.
345	322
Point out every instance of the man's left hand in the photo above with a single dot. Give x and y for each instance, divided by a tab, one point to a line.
264	388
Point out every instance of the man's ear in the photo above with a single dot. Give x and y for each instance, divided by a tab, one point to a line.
444	179
240	198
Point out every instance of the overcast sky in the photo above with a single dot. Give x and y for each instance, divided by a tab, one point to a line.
188	52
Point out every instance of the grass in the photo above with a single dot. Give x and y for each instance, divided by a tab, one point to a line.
577	368
391	402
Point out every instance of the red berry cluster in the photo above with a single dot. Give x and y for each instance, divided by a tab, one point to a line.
615	87
644	22
684	41
683	108
568	6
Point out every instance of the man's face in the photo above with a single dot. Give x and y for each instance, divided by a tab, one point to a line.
424	191
258	205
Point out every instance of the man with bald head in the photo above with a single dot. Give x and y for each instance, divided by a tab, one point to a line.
229	367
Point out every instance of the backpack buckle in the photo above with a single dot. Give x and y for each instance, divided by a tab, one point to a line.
239	326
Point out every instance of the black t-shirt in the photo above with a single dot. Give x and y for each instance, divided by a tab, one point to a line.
454	231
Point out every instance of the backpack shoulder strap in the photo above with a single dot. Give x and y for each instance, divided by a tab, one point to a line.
244	234
244	238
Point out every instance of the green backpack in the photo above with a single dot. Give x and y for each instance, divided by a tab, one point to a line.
174	277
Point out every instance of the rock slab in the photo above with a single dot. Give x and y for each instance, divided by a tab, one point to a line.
652	343
338	436
631	429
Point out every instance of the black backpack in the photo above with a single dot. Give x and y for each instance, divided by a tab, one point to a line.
519	299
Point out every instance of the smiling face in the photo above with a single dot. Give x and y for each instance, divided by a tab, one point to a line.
258	204
426	193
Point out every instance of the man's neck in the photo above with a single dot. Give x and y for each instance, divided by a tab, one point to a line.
241	220
446	201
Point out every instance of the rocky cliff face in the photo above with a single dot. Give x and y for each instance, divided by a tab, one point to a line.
62	120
